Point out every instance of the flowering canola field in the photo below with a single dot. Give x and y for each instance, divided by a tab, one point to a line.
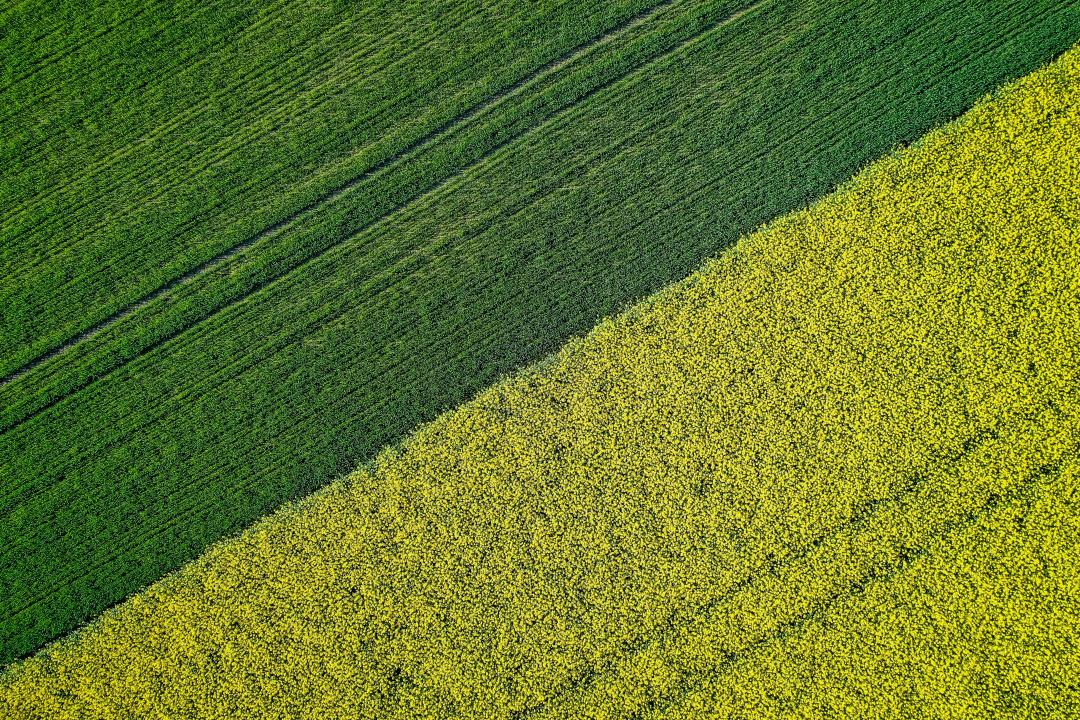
833	473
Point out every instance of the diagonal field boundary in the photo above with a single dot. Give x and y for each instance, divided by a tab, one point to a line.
697	191
613	80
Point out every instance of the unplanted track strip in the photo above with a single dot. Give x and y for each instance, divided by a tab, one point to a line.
212	264
401	156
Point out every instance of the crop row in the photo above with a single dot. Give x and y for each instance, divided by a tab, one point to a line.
116	484
817	423
329	220
697	662
181	170
40	36
981	623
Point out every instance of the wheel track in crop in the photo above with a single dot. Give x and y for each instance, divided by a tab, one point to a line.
198	508
606	155
682	618
328	196
1025	492
386	165
706	187
228	147
303	88
243	369
383	280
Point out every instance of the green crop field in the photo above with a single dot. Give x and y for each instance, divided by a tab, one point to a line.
245	246
832	474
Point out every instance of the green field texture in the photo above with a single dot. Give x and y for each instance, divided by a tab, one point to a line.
383	296
833	473
169	133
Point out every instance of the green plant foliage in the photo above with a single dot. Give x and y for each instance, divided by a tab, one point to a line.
832	473
152	137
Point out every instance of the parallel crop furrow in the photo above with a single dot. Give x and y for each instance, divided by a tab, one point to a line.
267	91
52	58
684	617
1024	492
395	160
304	211
49	92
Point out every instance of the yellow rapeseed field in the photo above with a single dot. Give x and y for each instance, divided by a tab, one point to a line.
833	473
